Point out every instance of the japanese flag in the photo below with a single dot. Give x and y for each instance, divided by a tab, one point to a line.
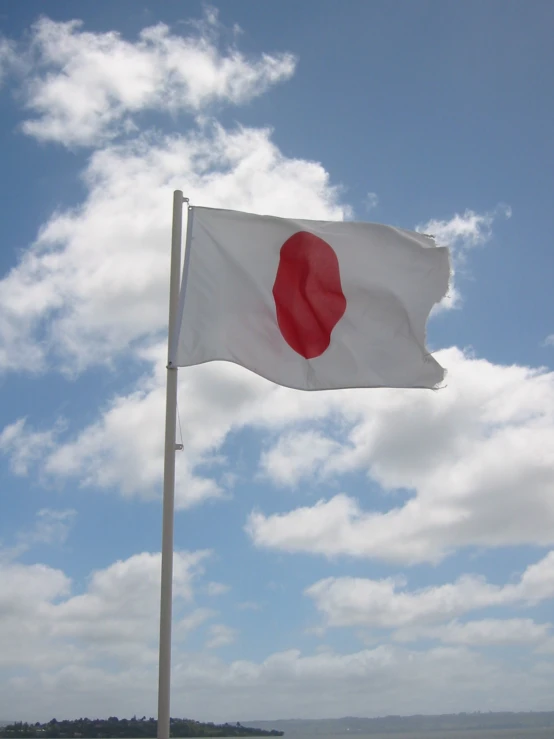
312	305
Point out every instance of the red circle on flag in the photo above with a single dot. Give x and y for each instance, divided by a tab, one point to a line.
308	293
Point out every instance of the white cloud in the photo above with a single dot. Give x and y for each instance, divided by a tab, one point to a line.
486	632
486	434
289	684
18	580
350	601
124	449
95	651
116	616
461	233
371	200
86	87
217	588
472	458
297	455
25	446
549	341
51	527
7	57
220	636
24	630
95	282
94	287
184	626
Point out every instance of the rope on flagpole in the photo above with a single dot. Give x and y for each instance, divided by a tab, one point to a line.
179	447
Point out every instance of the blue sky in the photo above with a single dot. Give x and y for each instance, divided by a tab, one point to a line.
342	553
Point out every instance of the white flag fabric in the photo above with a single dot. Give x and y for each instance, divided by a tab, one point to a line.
312	305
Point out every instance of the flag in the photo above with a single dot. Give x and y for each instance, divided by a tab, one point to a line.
311	305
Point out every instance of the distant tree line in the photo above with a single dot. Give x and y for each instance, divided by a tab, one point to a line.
134	728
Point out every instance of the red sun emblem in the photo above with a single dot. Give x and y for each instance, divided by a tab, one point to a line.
308	294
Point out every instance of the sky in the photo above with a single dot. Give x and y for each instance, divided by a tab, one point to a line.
359	552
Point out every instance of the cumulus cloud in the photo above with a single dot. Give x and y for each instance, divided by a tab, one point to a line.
95	282
471	459
94	287
289	684
84	87
123	449
349	601
116	616
297	455
461	233
95	651
24	446
485	632
486	434
464	231
185	625
220	636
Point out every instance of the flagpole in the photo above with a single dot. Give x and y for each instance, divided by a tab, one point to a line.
166	593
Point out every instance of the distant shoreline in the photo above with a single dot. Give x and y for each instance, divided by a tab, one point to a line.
114	728
493	725
483	723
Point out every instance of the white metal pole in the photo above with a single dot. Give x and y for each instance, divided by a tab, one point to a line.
166	595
